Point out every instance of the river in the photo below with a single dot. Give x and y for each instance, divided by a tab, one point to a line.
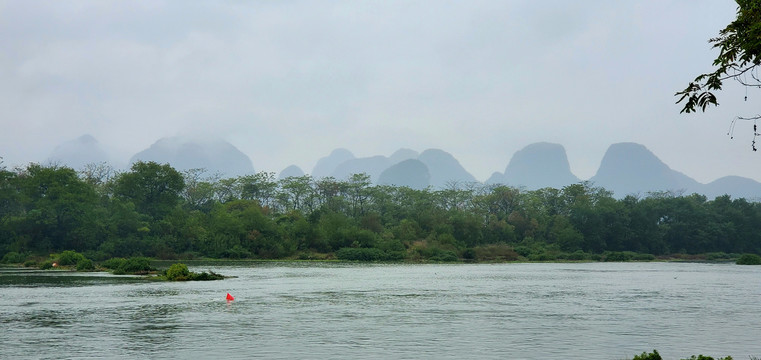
397	311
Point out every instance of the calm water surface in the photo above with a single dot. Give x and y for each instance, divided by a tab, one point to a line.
347	311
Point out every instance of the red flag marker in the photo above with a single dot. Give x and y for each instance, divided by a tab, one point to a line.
230	297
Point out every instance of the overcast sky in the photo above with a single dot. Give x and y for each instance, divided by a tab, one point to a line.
289	81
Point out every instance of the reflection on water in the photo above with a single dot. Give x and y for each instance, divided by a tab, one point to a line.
47	318
518	311
22	277
153	292
152	326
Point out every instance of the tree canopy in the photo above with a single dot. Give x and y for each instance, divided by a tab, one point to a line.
153	210
739	56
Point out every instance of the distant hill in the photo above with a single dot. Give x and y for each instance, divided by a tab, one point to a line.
626	168
444	168
537	166
401	155
327	165
735	186
372	166
216	156
291	171
440	167
79	152
411	173
629	168
496	178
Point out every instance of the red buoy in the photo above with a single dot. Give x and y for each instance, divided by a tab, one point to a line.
230	297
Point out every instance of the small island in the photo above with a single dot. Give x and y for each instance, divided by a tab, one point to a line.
656	356
180	272
73	261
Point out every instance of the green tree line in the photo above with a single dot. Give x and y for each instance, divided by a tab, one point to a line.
156	211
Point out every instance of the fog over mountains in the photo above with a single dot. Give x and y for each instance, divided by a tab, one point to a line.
79	152
631	168
537	166
626	168
411	173
216	156
291	171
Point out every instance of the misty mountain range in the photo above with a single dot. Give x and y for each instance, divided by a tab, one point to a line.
626	168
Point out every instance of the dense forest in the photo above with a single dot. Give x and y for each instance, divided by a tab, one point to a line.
154	210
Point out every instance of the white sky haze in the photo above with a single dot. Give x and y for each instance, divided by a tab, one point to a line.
289	81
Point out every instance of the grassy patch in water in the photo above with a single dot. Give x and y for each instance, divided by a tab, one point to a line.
656	356
180	272
749	259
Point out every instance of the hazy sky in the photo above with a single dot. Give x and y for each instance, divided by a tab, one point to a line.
289	81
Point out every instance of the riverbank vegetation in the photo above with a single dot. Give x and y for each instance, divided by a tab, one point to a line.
154	211
656	356
749	259
73	261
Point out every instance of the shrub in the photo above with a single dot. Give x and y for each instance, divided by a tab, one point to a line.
205	276
135	265
113	263
360	254
648	356
391	245
717	256
46	265
749	259
423	250
178	272
95	255
85	265
495	252
523	251
368	254
542	257
577	255
394	255
655	356
643	257
69	257
617	256
444	256
236	252
30	263
13	258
